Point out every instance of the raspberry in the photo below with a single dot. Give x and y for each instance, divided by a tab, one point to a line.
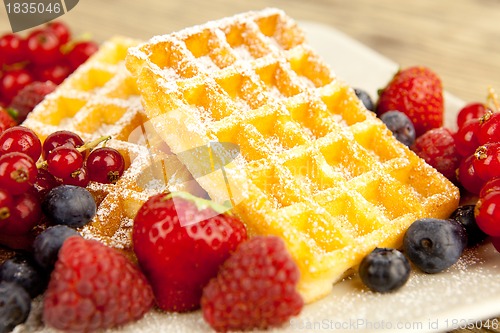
94	287
437	147
255	288
28	97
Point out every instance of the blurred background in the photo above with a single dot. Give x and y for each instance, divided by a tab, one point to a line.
460	40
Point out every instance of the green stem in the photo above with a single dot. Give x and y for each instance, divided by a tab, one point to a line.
87	146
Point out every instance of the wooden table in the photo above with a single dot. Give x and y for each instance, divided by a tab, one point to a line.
460	40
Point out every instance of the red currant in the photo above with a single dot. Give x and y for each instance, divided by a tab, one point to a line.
13	81
25	215
17	172
61	30
467	176
489	130
105	165
470	111
44	182
496	243
63	161
466	137
490	186
81	52
20	139
6	204
60	138
487	214
53	72
79	177
43	47
12	48
487	161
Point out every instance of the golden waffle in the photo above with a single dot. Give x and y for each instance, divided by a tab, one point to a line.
315	167
101	99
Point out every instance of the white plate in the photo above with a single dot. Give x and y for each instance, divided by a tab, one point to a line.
468	292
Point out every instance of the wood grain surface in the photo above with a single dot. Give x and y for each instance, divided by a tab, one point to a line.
459	39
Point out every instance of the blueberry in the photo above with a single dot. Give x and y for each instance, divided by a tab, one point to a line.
71	205
15	305
384	270
434	244
400	125
47	244
23	270
465	215
365	98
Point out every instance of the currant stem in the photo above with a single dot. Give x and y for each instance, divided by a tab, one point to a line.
87	146
493	99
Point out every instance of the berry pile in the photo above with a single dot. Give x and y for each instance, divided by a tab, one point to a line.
30	170
477	144
43	185
196	254
411	107
432	245
410	104
180	241
47	53
115	291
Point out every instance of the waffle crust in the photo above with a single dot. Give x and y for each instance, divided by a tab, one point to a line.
313	166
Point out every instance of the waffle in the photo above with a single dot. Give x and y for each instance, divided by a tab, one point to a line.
313	166
101	99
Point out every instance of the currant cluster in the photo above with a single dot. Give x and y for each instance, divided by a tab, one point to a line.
478	144
30	169
46	54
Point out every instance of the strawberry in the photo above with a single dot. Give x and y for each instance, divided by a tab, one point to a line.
6	119
94	287
29	96
417	92
255	288
180	241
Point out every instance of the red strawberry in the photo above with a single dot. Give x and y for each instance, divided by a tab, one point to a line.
94	287
6	120
28	97
255	288
417	92
180	242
